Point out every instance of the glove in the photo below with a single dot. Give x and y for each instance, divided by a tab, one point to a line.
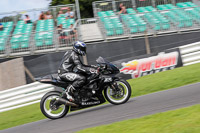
94	70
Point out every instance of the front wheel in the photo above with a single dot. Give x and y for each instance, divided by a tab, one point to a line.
50	108
120	94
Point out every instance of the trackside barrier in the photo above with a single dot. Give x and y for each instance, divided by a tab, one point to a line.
23	95
32	93
190	54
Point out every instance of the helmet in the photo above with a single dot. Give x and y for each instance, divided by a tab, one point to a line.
79	47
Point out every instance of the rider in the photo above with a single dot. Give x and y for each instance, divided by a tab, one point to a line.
71	68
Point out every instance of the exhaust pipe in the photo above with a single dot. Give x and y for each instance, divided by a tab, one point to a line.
66	102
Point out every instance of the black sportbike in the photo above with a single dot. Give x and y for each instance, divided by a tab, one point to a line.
106	85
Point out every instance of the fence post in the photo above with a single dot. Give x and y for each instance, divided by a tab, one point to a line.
174	2
153	3
79	29
54	12
114	5
133	4
78	9
15	17
148	51
8	46
56	40
94	9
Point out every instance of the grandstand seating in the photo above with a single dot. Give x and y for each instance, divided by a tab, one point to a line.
21	35
193	10
111	22
133	21
156	20
65	22
4	35
177	16
44	32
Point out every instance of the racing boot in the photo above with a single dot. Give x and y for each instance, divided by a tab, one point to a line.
69	93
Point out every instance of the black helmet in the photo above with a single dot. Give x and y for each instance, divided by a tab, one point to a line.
80	47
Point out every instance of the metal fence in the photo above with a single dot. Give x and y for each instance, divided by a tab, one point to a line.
23	95
148	22
112	27
36	42
190	54
114	4
17	38
102	6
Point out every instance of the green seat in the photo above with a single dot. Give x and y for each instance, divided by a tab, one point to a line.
39	43
24	43
102	14
142	9
150	8
110	32
130	11
162	7
39	40
2	44
190	4
142	27
49	41
119	31
70	21
181	5
110	13
188	23
2	47
15	43
133	30
62	15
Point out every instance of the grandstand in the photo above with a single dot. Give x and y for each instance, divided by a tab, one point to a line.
142	18
146	17
19	38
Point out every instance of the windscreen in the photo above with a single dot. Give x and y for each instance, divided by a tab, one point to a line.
100	60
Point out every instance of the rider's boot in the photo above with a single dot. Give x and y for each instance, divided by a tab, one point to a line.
69	93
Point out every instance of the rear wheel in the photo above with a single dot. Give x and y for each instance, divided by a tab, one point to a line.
118	95
50	108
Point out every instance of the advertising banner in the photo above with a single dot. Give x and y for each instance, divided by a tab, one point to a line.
135	67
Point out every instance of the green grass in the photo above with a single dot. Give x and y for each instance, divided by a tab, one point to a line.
144	85
165	80
20	116
185	120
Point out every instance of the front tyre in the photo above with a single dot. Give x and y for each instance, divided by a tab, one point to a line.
118	95
50	108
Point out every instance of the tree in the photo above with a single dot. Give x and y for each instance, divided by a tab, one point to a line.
85	6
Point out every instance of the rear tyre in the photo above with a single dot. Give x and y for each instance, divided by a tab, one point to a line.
119	96
50	109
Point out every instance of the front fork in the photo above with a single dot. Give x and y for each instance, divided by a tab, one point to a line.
114	88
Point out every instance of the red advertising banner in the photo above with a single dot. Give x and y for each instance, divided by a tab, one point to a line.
145	65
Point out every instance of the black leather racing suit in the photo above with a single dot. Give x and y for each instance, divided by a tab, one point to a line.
66	72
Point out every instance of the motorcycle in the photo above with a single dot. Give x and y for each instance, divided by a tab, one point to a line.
105	86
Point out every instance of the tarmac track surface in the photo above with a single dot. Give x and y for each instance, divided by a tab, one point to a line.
136	107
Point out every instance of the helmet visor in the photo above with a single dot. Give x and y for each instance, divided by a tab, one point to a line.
83	49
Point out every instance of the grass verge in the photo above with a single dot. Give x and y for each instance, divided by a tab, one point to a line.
140	86
165	80
185	120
